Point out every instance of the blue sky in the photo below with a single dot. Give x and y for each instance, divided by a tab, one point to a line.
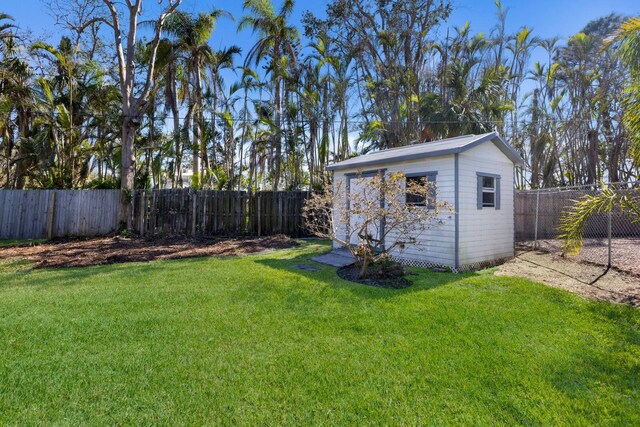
547	17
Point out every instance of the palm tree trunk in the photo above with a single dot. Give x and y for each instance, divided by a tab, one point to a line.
198	143
191	123
176	179
277	139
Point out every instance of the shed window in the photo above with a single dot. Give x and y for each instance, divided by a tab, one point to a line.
427	199
488	191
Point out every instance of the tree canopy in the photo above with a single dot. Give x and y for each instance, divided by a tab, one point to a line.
174	111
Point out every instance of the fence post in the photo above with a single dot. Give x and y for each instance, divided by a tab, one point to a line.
535	232
143	212
259	213
609	236
51	214
130	210
194	205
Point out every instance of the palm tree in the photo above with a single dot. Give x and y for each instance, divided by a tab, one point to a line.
6	28
192	36
221	59
73	109
249	81
277	43
102	107
310	91
65	62
7	78
628	38
627	41
473	97
170	70
16	106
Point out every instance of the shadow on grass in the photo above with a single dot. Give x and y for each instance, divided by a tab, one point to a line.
13	272
422	279
21	242
20	272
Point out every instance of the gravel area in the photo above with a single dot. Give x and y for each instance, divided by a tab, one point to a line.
625	253
584	278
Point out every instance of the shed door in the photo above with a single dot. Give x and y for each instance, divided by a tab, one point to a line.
361	197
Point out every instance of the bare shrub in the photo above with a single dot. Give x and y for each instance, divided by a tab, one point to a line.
386	212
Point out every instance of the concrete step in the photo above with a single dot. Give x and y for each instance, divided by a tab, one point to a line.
336	258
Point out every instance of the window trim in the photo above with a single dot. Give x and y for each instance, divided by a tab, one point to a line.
431	176
481	189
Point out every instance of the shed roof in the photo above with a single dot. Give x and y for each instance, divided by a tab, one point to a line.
429	149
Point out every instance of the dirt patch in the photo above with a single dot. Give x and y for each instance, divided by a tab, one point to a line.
584	278
625	252
350	273
110	250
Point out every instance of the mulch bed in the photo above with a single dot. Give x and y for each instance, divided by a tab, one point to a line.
351	273
110	250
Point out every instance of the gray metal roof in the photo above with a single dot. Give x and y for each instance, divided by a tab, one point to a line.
429	149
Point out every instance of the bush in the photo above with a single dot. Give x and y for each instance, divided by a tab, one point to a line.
327	214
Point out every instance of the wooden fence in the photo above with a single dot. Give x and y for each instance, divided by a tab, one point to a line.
33	214
210	213
37	214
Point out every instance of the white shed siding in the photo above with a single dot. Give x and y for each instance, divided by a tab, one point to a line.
339	184
437	245
485	234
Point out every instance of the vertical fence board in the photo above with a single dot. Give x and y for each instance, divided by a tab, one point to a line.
32	214
26	214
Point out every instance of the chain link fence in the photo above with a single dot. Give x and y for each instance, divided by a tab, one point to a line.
610	238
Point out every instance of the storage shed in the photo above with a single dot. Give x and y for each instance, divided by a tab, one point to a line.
474	174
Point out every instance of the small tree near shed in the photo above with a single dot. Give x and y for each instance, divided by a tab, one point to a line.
387	212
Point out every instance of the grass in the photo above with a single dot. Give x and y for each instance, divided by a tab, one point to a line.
13	242
254	341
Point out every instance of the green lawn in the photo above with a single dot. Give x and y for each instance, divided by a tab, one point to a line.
14	242
254	341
